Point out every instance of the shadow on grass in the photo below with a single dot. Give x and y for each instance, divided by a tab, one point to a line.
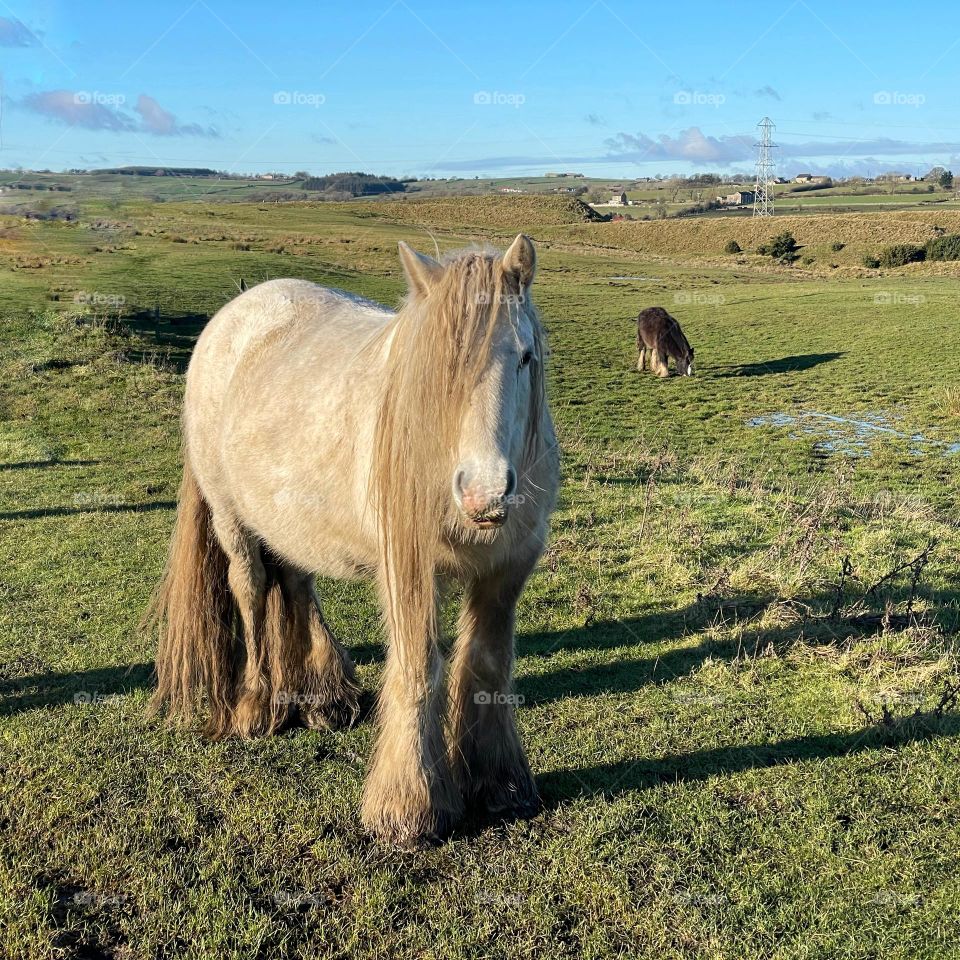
609	780
174	334
39	512
807	621
45	464
804	361
81	686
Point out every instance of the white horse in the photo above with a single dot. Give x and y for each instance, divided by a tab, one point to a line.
325	434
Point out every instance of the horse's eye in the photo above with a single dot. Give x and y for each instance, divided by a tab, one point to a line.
525	359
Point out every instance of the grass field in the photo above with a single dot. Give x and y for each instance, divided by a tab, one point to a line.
738	657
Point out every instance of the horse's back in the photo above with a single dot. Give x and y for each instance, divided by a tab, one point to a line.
652	322
282	306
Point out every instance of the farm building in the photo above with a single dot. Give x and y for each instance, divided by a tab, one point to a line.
809	178
737	199
619	201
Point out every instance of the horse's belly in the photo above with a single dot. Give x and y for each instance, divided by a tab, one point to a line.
305	508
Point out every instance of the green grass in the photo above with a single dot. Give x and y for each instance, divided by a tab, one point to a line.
742	751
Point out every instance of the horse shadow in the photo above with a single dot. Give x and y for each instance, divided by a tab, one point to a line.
45	689
38	513
46	464
610	780
174	333
793	364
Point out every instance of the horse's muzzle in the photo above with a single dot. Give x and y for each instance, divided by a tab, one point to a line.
489	519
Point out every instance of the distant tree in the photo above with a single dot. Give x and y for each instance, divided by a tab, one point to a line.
946	180
934	174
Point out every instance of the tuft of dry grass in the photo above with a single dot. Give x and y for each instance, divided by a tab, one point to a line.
951	401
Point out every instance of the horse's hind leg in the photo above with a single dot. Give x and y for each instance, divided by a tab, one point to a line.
247	578
488	759
642	359
317	669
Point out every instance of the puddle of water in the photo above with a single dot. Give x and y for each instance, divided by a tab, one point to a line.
849	435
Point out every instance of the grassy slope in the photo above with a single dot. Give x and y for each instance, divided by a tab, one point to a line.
713	786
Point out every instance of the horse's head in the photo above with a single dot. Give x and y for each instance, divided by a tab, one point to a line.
494	380
686	366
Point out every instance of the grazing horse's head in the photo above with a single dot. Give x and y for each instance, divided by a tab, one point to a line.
466	379
687	365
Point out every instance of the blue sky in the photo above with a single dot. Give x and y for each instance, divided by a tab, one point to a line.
429	88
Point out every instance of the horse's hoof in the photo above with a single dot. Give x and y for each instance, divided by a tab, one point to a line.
417	832
509	800
338	714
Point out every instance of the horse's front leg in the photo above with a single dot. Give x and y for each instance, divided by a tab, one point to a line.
488	758
410	797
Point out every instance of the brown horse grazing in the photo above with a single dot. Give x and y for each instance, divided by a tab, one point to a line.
325	434
660	333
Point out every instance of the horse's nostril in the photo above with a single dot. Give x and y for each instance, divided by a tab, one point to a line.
511	481
458	482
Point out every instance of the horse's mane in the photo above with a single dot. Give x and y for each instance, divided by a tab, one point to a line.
438	348
673	337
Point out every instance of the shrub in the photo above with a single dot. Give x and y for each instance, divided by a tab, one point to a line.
901	254
837	246
871	261
782	247
732	247
946	247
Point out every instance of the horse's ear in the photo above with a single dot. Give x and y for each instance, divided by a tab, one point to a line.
422	271
520	261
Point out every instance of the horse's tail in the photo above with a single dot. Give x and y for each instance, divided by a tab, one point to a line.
194	614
